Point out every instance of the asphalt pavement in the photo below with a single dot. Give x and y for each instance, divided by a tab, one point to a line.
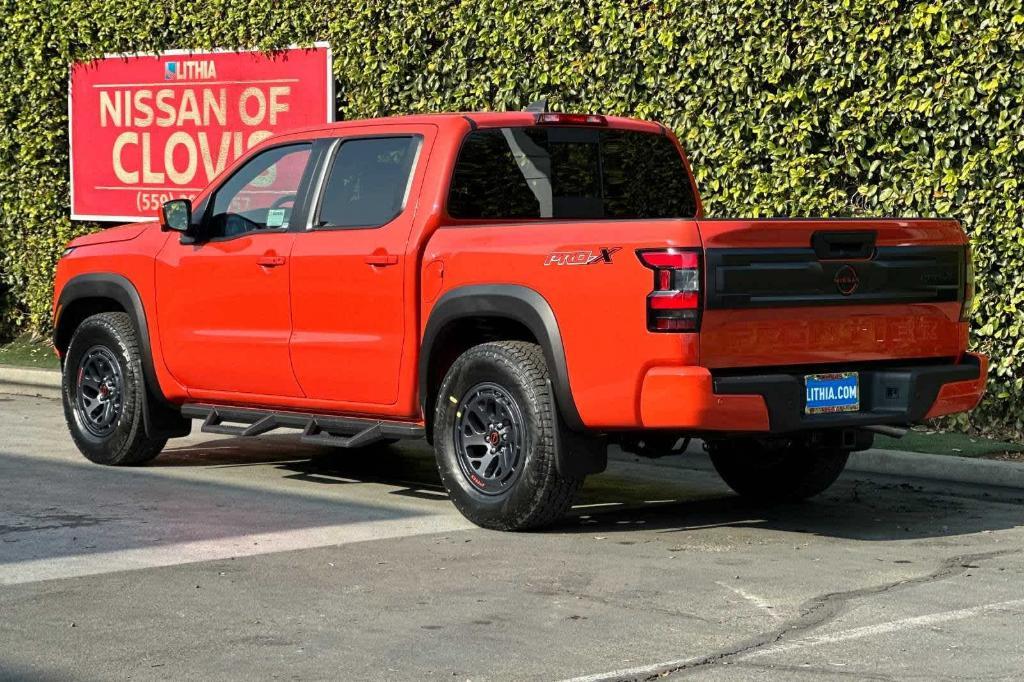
268	559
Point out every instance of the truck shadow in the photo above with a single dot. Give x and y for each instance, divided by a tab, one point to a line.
640	496
855	508
52	507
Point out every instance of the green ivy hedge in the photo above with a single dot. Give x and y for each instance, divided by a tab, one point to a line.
808	107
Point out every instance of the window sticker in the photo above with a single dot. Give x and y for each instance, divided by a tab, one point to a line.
275	217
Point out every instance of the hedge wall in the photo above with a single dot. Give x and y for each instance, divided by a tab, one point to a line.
805	107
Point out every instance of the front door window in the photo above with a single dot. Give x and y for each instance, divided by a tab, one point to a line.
261	195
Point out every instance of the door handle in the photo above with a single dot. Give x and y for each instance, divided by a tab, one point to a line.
381	259
270	261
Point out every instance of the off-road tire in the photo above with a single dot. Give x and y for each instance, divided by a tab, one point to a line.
779	474
539	495
126	444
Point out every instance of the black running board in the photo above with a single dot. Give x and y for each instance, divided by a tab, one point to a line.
342	432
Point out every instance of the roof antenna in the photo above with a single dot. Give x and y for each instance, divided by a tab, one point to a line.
538	107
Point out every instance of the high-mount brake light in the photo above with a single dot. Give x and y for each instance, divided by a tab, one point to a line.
552	118
969	290
675	303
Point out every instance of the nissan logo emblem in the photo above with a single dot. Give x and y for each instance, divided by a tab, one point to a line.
846	280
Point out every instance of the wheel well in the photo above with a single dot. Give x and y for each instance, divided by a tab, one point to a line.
456	338
76	313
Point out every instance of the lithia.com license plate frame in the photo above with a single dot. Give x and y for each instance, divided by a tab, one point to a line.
832	392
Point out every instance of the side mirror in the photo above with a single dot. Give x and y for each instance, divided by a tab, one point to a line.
176	215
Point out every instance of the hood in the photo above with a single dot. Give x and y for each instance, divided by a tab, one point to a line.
110	235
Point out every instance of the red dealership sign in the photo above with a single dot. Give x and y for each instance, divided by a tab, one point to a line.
148	128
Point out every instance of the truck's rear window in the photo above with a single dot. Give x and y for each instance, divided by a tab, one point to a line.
569	173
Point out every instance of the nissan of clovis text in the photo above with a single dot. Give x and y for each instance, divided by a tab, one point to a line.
522	289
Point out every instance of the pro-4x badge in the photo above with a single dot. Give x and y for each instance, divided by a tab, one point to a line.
603	255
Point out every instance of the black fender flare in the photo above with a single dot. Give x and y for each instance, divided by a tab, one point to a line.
511	302
162	418
116	288
577	452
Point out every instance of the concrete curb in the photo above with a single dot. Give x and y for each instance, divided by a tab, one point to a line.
44	383
939	467
896	463
47	384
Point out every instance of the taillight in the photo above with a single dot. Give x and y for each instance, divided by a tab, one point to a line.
571	119
675	303
965	308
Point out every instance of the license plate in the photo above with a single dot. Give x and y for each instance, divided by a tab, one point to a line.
837	392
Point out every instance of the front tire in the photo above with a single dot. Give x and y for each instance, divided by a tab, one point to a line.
774	472
104	392
494	437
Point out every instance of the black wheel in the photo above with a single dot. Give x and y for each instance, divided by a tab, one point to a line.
104	390
775	472
494	438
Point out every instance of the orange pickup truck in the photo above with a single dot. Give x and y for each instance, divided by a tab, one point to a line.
522	289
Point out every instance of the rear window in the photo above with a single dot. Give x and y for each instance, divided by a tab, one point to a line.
569	173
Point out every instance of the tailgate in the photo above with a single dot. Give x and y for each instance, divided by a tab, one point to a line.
820	292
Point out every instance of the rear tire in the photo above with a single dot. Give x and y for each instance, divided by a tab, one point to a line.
776	474
494	437
104	392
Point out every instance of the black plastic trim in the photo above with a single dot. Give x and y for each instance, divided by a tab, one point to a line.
579	454
319	428
161	416
739	279
915	388
838	245
116	288
507	301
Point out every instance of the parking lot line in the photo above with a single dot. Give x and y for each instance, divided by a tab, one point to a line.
832	638
886	628
174	554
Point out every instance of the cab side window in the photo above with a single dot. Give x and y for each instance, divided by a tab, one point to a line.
368	182
261	194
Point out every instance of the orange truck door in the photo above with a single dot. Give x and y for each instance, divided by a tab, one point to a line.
222	303
350	267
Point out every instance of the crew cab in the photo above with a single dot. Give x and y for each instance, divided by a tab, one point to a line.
521	289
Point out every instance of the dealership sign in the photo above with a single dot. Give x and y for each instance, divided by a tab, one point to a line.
148	128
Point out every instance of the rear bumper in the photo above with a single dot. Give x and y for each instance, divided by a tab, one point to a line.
692	398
